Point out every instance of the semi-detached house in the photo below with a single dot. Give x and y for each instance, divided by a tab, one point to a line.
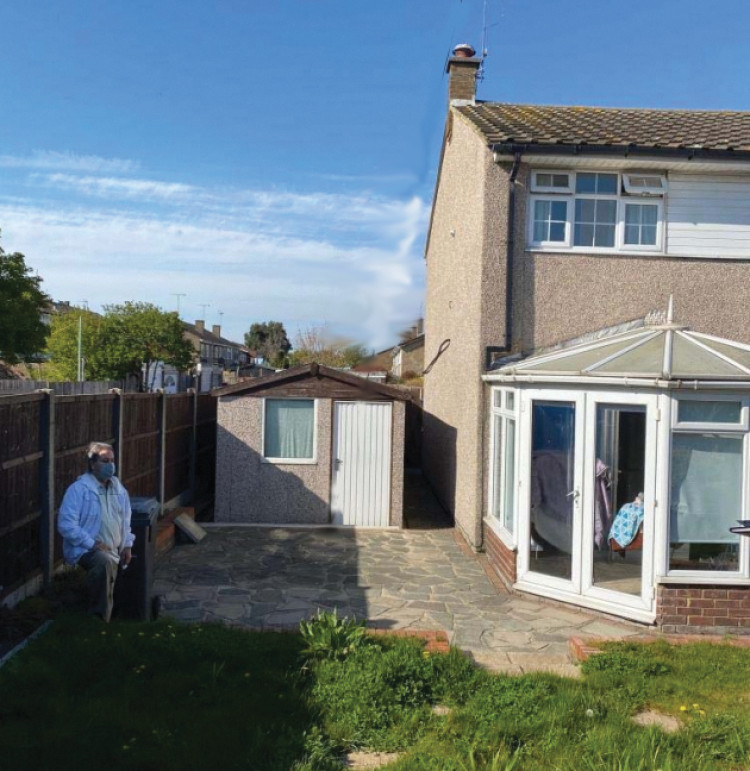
587	412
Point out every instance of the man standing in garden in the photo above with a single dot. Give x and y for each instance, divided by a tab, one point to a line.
94	522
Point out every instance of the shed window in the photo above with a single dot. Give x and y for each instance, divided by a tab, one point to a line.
289	429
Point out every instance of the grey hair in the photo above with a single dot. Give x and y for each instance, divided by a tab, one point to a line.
95	448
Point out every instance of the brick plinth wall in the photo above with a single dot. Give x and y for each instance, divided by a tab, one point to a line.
694	609
502	559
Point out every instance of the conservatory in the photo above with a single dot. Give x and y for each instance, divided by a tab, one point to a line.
618	465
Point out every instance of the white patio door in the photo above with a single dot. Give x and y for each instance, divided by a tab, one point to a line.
619	482
585	457
549	545
361	473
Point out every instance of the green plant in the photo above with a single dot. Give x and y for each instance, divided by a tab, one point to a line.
327	636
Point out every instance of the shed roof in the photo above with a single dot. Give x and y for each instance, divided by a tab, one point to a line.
663	352
315	371
660	130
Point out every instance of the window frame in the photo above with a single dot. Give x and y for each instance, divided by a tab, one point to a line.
536	188
289	461
502	413
622	199
550	245
739	429
651	192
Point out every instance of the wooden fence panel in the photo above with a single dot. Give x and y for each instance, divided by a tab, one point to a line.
178	439
21	462
205	452
139	470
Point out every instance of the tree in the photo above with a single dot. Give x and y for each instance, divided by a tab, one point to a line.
22	331
138	333
63	344
269	340
315	344
119	343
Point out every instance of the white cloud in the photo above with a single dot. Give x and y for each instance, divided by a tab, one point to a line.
115	187
352	261
48	159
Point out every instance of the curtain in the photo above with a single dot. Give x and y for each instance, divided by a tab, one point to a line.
706	497
289	428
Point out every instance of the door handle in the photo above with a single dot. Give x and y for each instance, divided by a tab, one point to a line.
574	494
338	462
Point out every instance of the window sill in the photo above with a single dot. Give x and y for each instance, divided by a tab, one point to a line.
290	461
502	534
563	250
705	580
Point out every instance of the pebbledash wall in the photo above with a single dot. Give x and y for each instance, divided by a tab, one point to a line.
249	489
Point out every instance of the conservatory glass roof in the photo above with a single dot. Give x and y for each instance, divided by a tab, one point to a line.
666	352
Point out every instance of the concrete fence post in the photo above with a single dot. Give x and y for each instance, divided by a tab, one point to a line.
118	428
162	421
193	448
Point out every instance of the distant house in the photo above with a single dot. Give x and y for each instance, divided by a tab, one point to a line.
215	353
408	357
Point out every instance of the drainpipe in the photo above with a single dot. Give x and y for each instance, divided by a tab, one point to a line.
509	252
510	242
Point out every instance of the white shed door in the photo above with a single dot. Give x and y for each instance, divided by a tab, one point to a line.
361	476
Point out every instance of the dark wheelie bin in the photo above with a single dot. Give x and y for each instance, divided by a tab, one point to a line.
134	594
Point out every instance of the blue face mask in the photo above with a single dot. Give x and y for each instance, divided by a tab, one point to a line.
105	470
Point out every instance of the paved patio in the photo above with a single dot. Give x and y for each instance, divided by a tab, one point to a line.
409	579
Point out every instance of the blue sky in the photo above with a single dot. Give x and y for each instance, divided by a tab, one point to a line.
276	160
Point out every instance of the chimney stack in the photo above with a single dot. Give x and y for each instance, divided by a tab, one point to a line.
199	325
216	329
462	69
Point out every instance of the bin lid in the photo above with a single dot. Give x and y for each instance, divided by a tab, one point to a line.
145	511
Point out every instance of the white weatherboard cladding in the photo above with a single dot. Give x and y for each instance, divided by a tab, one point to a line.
361	481
708	216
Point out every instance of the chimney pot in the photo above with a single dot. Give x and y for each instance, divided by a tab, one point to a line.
464	51
462	69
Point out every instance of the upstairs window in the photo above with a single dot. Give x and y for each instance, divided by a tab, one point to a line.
644	184
596	211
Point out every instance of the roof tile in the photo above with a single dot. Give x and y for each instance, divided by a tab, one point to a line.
549	125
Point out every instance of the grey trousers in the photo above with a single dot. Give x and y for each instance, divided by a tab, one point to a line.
100	581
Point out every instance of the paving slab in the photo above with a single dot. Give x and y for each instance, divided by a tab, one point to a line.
395	579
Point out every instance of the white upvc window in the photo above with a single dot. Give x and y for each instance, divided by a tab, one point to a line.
289	430
707	485
551	182
644	184
592	211
503	476
549	222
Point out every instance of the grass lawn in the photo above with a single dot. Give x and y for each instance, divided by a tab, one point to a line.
171	696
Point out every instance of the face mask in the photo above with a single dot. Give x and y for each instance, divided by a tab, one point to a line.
105	470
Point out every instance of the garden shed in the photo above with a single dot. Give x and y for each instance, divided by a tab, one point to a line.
311	445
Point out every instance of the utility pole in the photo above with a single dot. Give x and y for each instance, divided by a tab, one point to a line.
178	295
80	372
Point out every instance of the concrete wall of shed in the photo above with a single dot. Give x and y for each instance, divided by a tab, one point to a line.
249	490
